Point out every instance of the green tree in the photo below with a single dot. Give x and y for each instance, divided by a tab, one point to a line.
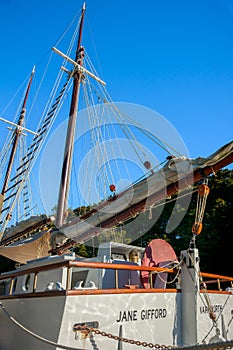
215	241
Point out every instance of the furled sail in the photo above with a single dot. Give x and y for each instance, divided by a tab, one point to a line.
179	171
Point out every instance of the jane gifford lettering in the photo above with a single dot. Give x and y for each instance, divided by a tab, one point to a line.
127	316
134	315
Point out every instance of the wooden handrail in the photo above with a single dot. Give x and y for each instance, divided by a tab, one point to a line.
32	270
92	265
220	277
217	280
81	264
101	265
68	264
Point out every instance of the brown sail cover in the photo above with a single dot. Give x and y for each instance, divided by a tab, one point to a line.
33	247
177	174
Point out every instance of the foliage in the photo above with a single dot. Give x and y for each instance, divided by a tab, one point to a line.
215	241
81	210
83	250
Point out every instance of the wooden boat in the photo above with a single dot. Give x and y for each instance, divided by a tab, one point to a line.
127	297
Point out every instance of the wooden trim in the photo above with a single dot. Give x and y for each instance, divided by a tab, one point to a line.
32	270
116	279
119	291
11	286
100	265
68	278
216	281
211	275
71	292
35	281
52	293
91	265
216	292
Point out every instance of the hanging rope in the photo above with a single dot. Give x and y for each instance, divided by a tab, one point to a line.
205	298
44	340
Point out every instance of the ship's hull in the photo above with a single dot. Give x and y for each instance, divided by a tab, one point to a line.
153	317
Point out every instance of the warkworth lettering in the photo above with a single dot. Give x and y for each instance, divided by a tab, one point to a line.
135	315
214	308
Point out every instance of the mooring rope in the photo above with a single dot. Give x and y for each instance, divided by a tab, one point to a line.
34	334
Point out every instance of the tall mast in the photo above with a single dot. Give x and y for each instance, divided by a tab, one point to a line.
67	160
17	134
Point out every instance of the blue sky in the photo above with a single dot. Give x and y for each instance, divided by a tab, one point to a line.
174	57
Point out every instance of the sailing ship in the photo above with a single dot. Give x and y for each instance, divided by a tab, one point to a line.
126	297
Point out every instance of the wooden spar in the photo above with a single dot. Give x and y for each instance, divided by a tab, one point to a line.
151	200
78	67
17	132
17	126
68	153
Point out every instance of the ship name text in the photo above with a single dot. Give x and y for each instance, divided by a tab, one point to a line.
135	315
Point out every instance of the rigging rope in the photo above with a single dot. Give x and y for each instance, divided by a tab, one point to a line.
206	300
115	116
48	116
95	135
106	97
203	191
108	111
33	151
119	117
47	119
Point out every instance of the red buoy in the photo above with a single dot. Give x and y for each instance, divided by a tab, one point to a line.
112	188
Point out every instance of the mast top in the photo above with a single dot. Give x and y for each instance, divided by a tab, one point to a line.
84	6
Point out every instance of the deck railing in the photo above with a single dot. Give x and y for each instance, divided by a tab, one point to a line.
10	278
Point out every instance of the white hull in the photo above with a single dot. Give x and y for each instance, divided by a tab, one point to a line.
147	317
50	297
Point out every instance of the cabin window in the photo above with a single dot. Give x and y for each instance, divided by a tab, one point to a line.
4	287
79	278
26	283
